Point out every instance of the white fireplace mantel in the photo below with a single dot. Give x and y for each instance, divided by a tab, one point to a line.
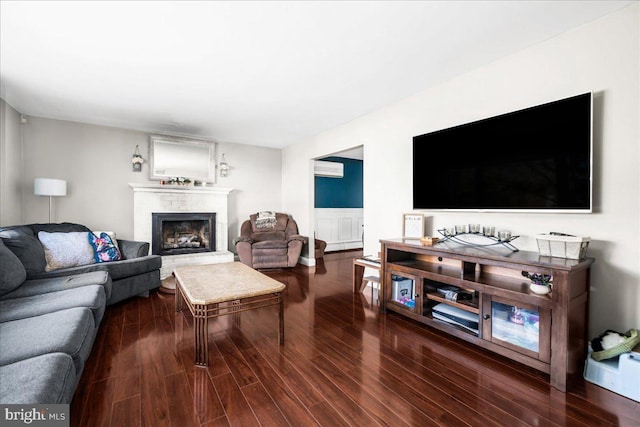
185	189
149	198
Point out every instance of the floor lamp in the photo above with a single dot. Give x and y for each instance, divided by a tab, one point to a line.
49	187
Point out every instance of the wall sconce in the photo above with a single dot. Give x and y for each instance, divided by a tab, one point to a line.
137	160
49	187
224	167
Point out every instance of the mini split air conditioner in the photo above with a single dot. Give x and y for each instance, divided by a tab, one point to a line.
328	169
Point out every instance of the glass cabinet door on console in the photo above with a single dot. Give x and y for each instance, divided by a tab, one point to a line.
520	327
402	292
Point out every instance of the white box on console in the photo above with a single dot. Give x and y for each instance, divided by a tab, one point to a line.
620	374
562	246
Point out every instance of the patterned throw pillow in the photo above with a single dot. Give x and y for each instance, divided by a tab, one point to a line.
110	234
104	248
63	250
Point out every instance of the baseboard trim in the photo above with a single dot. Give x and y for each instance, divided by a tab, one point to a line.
309	262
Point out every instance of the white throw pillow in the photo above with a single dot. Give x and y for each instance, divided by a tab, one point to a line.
63	250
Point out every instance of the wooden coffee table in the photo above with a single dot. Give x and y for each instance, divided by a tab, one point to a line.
206	288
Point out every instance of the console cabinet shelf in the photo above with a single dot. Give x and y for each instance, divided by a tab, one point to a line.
480	295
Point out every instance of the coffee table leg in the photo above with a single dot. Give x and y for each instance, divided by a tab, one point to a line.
200	330
178	295
281	316
235	313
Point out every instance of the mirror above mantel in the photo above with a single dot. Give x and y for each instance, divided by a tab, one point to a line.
174	157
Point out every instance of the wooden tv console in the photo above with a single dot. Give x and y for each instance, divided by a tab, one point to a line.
545	332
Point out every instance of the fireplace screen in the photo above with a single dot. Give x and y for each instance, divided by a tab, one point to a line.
183	233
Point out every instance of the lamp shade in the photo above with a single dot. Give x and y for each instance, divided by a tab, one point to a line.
49	187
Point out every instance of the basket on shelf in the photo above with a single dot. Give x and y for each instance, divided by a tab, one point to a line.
562	246
631	340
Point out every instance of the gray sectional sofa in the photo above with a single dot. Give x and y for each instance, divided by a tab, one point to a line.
137	273
49	319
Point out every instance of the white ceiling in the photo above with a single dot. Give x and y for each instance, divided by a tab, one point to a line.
261	73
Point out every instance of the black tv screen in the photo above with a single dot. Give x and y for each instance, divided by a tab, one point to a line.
536	159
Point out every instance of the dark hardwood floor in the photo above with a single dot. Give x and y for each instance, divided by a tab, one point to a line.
343	364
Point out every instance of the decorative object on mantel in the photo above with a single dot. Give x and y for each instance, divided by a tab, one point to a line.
180	180
540	283
224	167
137	160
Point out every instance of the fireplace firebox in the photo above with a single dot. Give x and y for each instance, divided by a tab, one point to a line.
183	233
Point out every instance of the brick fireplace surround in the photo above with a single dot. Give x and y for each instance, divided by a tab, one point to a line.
156	198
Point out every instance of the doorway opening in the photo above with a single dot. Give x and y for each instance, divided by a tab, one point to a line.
338	200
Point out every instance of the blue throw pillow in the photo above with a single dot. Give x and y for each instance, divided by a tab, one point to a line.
104	248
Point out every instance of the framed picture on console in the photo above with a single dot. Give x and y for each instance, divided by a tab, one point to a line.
413	225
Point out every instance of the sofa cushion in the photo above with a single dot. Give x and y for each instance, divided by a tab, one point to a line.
91	296
259	254
62	250
53	284
269	235
133	267
271	244
69	331
104	248
130	249
117	270
24	244
12	273
270	260
63	227
47	379
139	285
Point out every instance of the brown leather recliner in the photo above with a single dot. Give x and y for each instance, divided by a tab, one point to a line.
277	245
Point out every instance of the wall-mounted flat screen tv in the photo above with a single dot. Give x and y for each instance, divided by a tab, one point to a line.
531	160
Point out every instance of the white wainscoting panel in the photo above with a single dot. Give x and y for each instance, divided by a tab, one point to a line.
341	228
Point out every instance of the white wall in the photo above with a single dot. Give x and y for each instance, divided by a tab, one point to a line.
603	57
10	165
256	177
96	163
